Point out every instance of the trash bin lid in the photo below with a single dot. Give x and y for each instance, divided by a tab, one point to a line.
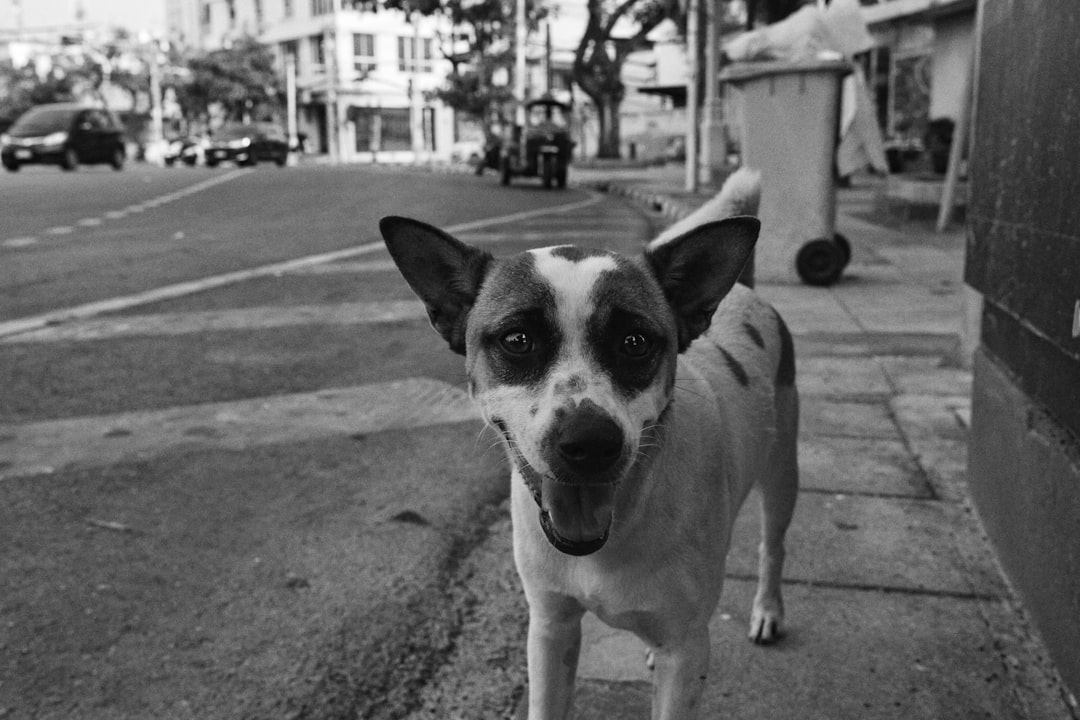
744	71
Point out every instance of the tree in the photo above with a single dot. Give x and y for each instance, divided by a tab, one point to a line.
599	58
487	29
241	79
65	78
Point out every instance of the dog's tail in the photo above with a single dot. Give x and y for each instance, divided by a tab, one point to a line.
740	195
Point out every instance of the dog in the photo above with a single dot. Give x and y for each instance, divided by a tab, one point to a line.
639	400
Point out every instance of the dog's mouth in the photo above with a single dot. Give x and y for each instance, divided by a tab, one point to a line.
576	517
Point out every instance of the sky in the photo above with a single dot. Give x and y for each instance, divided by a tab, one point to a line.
131	14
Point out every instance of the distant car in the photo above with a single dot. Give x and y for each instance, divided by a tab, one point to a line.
188	150
63	134
248	144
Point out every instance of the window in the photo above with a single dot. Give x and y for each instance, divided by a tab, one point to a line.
407	59
204	16
322	7
396	129
318	50
363	53
287	9
231	4
258	13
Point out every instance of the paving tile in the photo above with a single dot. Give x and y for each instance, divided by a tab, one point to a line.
903	308
859	465
867	542
845	655
842	376
926	376
808	310
828	417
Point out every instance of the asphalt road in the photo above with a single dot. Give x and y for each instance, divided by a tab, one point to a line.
239	476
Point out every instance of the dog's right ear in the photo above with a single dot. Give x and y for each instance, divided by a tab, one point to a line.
444	272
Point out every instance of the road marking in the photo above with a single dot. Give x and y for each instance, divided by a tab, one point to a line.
81	312
47	447
20	242
133	209
186	323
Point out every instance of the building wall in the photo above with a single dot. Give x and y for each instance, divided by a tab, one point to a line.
1024	257
320	35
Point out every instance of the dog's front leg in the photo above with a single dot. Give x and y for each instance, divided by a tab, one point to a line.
553	649
679	676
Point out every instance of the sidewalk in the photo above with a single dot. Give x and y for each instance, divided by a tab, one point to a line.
895	605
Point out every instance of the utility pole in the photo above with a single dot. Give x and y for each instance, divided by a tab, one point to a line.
416	115
692	113
547	57
290	104
333	128
521	33
712	128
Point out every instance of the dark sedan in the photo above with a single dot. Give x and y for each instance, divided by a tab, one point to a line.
63	134
248	144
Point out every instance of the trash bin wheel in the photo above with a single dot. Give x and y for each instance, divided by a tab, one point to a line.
820	262
845	247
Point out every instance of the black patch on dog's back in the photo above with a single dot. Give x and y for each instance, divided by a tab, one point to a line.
755	334
735	367
785	372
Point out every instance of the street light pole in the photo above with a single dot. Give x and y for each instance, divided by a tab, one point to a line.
521	33
692	113
290	103
712	129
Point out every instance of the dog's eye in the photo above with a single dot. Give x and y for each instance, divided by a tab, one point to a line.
516	342
636	345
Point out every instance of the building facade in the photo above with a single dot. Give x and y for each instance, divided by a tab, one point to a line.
362	78
1024	259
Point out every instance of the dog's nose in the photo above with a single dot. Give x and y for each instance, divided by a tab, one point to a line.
589	441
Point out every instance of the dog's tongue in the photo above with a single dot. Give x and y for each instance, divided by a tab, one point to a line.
579	513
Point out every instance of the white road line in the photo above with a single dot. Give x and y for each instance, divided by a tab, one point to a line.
46	447
19	242
81	312
169	324
135	209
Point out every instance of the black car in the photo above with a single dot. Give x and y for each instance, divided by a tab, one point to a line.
63	134
248	144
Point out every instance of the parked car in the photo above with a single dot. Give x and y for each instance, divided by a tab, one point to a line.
63	134
188	150
248	144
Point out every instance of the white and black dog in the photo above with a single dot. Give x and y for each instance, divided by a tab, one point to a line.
639	400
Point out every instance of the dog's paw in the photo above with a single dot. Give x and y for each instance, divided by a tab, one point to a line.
766	625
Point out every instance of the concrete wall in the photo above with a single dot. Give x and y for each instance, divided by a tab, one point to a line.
1024	257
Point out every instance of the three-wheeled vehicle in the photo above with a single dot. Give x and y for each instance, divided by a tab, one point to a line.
547	148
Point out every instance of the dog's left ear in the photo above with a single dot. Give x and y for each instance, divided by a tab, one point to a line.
696	270
444	272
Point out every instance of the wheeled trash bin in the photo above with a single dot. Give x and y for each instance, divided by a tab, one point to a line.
789	113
